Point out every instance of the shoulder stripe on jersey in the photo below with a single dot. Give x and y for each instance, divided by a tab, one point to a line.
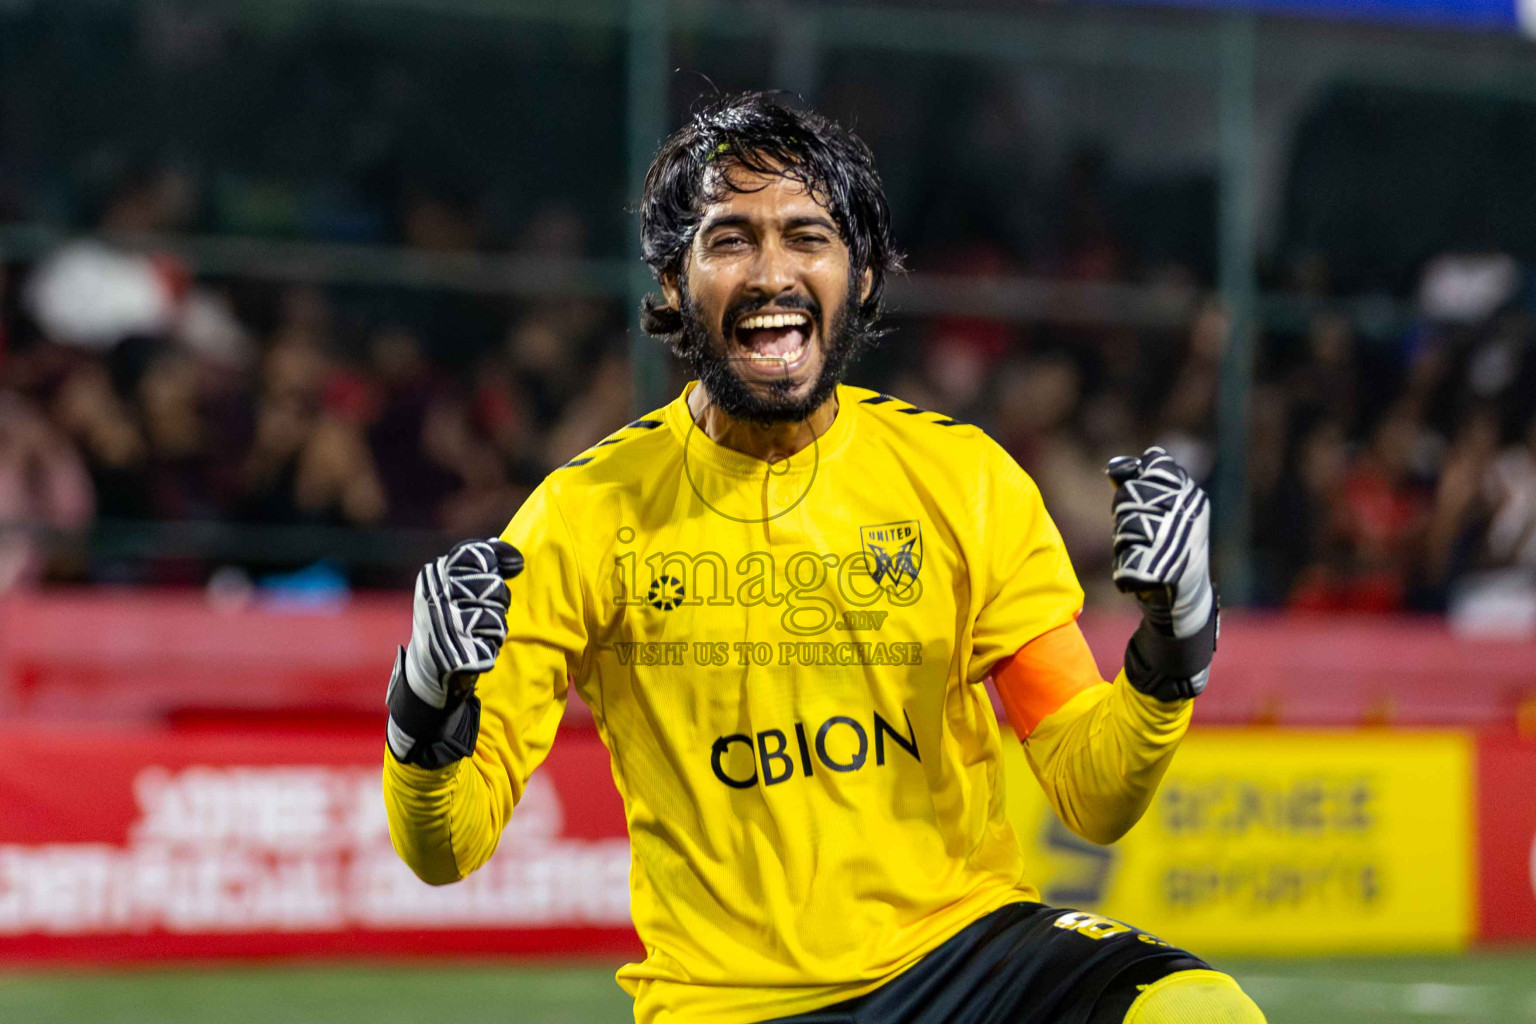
641	424
912	410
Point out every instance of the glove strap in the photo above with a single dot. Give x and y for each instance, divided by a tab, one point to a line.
437	736
1166	668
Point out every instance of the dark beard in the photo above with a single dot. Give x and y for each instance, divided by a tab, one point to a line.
770	402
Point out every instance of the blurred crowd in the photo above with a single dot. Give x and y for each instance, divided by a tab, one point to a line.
1391	466
1386	473
133	392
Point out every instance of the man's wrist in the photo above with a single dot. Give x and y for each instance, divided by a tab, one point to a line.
423	734
1167	667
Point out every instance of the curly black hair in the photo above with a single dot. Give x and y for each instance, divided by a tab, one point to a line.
756	132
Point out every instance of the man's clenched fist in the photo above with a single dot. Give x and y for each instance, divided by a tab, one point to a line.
458	624
1162	555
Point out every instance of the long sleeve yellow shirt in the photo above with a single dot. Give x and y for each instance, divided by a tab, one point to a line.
787	666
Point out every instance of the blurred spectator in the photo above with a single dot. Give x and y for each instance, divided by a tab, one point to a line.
959	352
1498	593
1326	384
545	367
309	460
598	412
1036	420
1510	486
93	294
1298	523
1186	422
1461	504
109	438
43	487
164	388
414	472
1373	526
1467	288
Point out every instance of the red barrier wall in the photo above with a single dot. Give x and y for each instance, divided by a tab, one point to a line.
107	655
1347	670
116	655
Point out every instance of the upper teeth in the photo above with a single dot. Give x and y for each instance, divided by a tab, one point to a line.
773	320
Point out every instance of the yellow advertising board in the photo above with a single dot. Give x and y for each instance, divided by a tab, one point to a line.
1264	841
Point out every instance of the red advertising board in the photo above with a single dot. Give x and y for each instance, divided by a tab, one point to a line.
152	845
1506	796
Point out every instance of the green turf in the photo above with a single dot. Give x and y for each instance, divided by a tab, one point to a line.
1345	991
1448	990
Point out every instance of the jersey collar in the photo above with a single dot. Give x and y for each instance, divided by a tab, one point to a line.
699	445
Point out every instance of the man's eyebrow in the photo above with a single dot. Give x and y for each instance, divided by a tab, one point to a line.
725	220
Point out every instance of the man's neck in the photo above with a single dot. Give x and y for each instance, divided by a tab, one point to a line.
767	441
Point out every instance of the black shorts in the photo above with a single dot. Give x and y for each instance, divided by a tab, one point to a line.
1024	964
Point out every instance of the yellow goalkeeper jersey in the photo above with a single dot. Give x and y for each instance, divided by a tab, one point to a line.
785	662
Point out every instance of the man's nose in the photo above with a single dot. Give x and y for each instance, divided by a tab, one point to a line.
772	269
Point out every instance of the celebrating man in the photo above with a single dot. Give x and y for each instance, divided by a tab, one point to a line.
780	595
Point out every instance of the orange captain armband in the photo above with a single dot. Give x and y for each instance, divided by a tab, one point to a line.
1043	675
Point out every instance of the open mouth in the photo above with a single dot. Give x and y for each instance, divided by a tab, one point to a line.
775	344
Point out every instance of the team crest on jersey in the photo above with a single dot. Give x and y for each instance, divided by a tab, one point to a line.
893	553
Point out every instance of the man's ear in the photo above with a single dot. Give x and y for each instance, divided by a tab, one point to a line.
673	294
866	285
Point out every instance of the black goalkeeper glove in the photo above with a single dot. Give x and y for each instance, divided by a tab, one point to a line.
1162	555
458	624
